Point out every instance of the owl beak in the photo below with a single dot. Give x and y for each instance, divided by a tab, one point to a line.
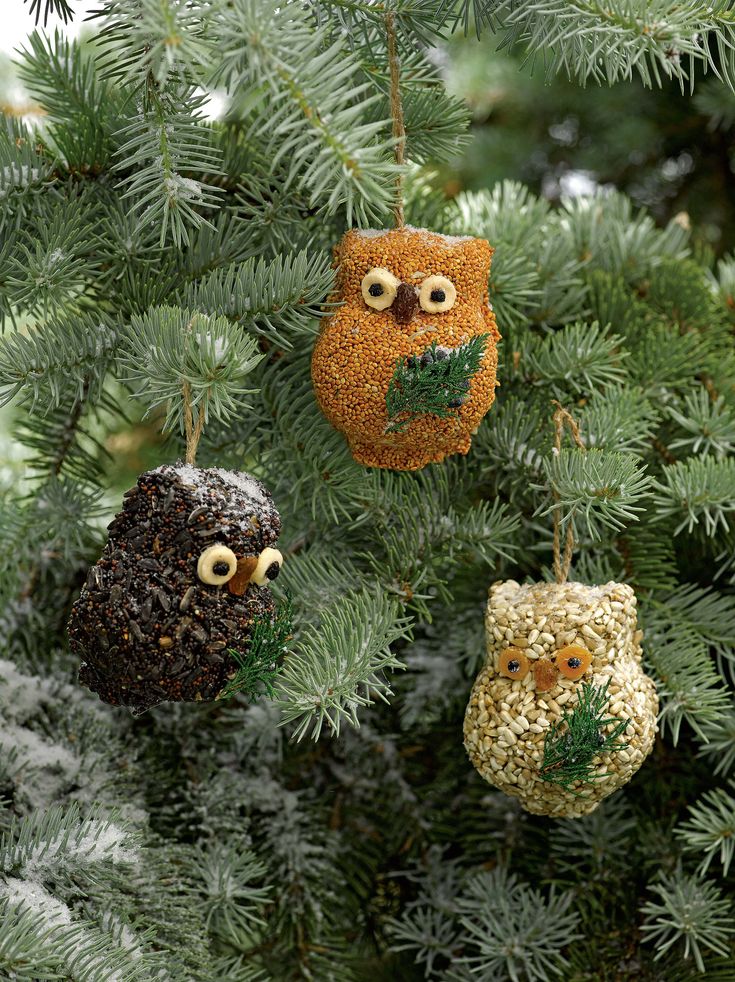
406	304
238	584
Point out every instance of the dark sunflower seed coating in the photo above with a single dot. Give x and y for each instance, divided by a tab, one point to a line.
146	627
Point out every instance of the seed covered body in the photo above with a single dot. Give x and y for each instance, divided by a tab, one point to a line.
434	289
593	630
175	589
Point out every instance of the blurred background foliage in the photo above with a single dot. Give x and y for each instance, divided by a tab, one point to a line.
670	151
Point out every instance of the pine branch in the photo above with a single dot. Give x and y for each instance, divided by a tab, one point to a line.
314	120
258	668
700	492
711	829
495	909
690	687
165	144
60	8
573	745
335	670
434	384
614	41
598	489
281	300
170	347
69	356
689	913
709	425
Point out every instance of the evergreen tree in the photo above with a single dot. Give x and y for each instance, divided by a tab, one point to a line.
335	829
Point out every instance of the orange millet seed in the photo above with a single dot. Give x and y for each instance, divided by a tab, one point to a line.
358	346
573	661
513	664
545	675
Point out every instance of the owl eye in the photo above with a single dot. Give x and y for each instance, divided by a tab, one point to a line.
268	568
216	565
379	288
573	661
437	294
513	664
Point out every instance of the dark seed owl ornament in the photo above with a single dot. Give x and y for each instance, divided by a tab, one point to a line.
397	366
182	580
562	714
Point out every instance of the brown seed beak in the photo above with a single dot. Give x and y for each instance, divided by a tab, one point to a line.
405	305
245	569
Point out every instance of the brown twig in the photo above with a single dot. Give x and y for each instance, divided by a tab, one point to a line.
396	111
561	565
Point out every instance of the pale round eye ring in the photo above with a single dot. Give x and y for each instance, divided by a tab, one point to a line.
268	568
379	288
216	565
437	294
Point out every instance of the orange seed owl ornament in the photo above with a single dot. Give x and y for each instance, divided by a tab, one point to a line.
408	298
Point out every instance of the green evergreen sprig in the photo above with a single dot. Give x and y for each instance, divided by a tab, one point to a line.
433	384
572	745
257	670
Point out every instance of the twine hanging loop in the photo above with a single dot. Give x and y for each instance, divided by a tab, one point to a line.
562	418
396	111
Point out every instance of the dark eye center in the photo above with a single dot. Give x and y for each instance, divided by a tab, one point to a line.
438	296
273	570
221	568
513	665
375	290
574	662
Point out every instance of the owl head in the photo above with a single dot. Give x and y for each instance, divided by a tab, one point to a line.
415	282
544	642
398	293
182	579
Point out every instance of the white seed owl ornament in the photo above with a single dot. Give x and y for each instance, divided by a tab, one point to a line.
553	649
562	713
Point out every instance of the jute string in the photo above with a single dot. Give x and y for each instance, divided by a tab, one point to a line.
396	111
562	564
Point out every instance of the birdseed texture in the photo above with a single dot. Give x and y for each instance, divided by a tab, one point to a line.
399	292
560	629
177	587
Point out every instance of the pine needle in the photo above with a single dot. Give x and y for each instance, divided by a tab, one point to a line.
433	384
570	753
258	668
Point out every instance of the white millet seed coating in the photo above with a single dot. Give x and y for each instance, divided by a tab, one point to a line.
540	619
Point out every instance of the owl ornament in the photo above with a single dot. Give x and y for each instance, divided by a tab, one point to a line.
562	714
182	579
406	297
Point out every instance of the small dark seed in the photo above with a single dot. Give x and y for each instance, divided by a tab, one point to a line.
273	570
135	630
426	359
146	610
574	662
